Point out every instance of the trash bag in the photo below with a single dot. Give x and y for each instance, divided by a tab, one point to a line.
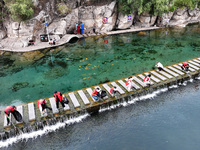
103	94
66	101
17	115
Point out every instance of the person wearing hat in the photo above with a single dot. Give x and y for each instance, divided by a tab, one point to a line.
160	66
58	98
42	106
96	93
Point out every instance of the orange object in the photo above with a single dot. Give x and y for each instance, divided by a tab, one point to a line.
105	41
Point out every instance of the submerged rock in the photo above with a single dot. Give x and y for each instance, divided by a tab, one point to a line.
19	85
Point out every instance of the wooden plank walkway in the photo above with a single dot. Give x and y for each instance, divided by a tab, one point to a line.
80	97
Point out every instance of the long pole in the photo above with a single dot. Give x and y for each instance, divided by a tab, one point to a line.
47	28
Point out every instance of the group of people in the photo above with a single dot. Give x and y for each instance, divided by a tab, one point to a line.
52	41
79	28
59	98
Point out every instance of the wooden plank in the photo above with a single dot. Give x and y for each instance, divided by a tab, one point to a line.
171	72
196	60
118	88
176	70
153	78
74	100
158	75
165	74
107	88
142	77
194	63
123	84
193	66
53	105
139	81
31	111
190	68
134	85
84	97
20	110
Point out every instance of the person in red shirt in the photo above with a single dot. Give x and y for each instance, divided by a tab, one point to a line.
58	98
42	106
11	109
147	79
78	29
96	94
185	66
113	91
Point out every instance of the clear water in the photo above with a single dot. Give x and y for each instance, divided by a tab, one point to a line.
169	121
25	77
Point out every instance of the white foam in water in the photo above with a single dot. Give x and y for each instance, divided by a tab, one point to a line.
133	100
173	86
44	131
198	78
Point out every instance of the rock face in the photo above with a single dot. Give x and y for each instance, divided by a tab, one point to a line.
123	22
63	15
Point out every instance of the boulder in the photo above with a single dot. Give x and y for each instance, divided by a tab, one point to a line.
122	21
3	34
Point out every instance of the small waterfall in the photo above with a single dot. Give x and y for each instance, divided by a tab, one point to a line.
39	129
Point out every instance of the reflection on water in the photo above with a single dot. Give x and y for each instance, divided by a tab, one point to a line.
29	76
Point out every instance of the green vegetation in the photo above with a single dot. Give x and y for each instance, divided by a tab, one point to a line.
20	10
63	8
155	7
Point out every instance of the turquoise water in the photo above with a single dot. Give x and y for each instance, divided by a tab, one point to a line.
25	77
169	121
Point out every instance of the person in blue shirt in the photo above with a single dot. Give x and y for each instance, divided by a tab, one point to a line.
82	28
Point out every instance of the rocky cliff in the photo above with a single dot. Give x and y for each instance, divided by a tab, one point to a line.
62	17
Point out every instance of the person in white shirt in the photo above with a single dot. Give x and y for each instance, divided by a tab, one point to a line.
147	80
160	66
129	84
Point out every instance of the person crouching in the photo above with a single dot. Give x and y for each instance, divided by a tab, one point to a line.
42	106
96	94
185	66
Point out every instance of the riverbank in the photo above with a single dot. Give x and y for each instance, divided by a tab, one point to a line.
65	39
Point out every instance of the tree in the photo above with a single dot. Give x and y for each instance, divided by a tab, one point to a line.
20	10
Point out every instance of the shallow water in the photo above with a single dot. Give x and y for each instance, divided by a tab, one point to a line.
168	121
25	77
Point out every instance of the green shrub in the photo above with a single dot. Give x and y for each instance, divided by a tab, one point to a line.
63	8
20	10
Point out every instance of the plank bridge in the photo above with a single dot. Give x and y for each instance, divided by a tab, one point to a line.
80	101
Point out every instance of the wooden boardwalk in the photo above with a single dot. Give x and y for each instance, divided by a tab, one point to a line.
81	100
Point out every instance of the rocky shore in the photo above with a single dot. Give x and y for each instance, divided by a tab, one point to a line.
15	35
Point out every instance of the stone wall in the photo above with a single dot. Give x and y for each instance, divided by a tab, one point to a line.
84	11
